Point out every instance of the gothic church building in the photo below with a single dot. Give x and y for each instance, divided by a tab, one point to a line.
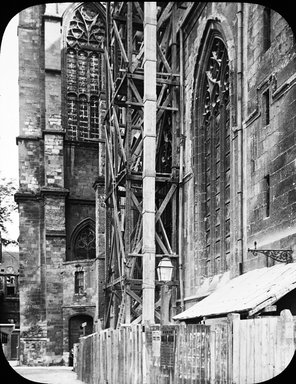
239	158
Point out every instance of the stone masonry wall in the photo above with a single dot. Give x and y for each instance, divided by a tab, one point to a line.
271	146
55	195
32	274
269	149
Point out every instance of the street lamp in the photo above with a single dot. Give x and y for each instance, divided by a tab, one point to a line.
164	272
165	269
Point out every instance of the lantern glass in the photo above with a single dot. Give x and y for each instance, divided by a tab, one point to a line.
165	269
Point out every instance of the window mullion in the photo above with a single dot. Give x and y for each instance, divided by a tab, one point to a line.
222	186
213	195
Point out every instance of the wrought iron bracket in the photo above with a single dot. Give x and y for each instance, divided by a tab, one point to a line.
280	255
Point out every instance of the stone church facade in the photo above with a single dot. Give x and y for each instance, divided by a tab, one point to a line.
239	159
61	102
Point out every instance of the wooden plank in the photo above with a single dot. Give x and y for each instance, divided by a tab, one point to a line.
165	14
160	243
165	39
135	356
163	59
235	330
109	355
109	72
121	46
288	346
135	91
120	353
134	295
249	337
138	205
165	202
243	351
124	355
161	93
159	255
259	349
195	359
265	348
272	330
165	236
116	124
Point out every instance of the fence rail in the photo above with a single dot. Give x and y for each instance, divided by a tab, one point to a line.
232	351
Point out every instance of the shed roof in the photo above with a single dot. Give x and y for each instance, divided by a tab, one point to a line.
249	292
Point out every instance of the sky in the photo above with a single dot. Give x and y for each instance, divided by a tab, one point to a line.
9	109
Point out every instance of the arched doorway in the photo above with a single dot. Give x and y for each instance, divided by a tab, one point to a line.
76	330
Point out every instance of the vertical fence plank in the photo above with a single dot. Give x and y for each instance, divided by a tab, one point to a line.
234	339
288	349
194	354
264	346
212	355
273	327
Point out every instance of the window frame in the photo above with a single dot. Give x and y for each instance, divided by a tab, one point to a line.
210	263
79	282
80	228
76	129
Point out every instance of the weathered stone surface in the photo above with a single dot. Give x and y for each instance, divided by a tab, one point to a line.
56	193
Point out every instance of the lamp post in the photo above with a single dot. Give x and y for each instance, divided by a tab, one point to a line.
164	272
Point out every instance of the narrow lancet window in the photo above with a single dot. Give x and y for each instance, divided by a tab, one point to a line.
84	72
215	124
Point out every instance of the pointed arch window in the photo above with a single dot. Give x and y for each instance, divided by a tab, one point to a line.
83	242
84	246
84	80
214	118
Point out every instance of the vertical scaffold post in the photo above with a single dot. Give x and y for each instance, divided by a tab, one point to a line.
149	170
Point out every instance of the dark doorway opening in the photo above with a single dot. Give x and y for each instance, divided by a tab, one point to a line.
76	331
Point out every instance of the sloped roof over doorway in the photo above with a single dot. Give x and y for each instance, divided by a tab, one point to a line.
250	292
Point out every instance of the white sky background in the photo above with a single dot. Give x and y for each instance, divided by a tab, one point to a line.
9	109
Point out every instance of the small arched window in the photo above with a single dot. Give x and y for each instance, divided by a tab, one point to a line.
214	137
83	72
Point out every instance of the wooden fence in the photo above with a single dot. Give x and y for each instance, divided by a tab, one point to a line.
111	356
262	347
225	351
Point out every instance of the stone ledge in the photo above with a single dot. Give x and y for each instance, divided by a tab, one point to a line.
23	196
52	191
27	138
55	233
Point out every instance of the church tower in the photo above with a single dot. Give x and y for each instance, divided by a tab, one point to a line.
61	159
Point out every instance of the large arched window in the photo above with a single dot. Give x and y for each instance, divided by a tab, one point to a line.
83	78
214	129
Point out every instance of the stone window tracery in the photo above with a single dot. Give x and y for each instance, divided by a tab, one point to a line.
84	72
84	244
215	125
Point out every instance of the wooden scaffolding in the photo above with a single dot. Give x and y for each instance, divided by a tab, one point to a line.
136	36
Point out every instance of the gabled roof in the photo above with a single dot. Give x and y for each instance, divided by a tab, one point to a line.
249	292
